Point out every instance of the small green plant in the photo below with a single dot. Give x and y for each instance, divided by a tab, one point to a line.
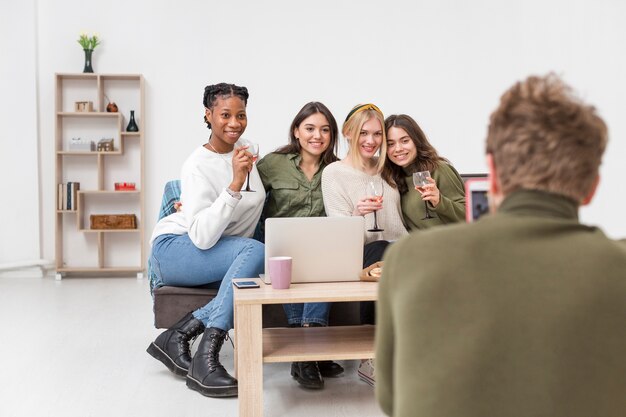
88	42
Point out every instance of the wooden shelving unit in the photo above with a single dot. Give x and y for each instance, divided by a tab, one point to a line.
97	252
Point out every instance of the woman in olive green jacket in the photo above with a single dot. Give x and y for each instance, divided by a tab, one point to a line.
292	177
409	151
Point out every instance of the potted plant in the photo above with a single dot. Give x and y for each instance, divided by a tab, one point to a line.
88	43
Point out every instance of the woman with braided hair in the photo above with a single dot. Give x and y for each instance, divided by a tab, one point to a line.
209	241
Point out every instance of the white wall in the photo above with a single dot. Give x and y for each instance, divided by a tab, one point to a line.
444	62
19	171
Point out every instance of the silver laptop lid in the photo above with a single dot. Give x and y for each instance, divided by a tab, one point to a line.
324	249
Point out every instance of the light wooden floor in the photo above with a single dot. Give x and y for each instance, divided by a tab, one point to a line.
77	348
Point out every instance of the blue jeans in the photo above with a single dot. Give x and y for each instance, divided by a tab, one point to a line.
178	262
299	314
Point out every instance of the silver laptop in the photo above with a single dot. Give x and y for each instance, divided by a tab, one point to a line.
324	249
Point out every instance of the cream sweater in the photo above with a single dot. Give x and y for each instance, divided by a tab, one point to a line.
208	212
343	186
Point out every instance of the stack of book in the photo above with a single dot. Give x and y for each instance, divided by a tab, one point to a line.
67	196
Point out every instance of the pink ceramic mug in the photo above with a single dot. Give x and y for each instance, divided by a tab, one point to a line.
280	272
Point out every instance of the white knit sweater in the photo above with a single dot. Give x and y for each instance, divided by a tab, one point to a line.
343	186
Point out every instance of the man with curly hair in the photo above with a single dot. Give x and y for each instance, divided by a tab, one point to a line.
522	313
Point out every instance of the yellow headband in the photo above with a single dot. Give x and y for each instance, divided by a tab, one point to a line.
363	107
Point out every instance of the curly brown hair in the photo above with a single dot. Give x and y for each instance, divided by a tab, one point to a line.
543	137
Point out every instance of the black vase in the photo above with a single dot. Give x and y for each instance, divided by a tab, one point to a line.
132	126
88	67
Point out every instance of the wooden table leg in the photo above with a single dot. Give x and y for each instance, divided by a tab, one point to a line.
249	339
234	339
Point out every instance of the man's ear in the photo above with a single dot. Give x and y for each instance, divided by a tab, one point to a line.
495	191
494	187
591	192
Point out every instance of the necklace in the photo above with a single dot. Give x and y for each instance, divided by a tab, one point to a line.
221	155
215	150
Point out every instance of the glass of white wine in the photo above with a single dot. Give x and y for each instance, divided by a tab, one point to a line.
253	148
420	180
376	189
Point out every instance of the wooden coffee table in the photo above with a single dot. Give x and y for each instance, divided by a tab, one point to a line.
255	345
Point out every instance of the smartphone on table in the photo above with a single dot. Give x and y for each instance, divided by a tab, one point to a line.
246	284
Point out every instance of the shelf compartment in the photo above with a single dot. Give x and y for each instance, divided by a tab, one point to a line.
79	76
77	153
120	77
109	192
110	230
88	114
318	343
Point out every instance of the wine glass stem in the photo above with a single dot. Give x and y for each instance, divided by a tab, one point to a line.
248	182
375	221
426	207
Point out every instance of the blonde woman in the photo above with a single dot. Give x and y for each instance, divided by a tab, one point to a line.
345	188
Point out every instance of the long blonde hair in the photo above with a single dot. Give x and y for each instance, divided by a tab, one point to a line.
351	130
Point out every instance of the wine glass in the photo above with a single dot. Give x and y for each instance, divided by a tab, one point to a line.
420	180
375	188
253	148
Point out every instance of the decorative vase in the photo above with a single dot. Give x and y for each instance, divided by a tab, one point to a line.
88	67
132	126
112	107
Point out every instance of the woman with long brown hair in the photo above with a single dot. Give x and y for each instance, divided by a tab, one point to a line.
292	177
409	151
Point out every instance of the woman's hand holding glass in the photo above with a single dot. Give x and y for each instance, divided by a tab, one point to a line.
375	191
430	192
253	152
367	205
242	164
424	185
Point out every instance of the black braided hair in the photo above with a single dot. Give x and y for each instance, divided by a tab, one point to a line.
222	90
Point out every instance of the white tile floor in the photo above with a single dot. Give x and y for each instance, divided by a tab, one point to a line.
77	348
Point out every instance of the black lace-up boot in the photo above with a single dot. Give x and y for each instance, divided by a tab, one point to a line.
206	374
328	369
172	346
307	373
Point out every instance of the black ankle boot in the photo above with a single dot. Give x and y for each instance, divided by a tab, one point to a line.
328	369
172	346
307	374
206	374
